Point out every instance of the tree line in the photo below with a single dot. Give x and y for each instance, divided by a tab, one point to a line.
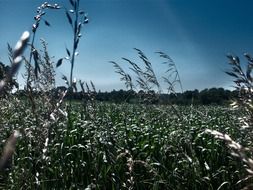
211	96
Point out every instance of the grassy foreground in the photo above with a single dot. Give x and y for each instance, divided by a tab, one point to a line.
123	146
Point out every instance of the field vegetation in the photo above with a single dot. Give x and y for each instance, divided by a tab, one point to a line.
49	141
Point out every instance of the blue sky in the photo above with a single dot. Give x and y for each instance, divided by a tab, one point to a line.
196	34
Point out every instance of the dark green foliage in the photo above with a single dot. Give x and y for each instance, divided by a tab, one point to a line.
59	62
123	147
212	96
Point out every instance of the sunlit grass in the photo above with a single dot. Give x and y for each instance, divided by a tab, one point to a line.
129	146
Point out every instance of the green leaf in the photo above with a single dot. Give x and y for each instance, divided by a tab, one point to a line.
59	62
232	74
69	18
71	2
68	52
81	12
47	23
36	62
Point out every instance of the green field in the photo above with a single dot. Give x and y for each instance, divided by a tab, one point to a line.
123	146
63	137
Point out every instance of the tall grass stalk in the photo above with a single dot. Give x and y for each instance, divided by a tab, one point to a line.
16	61
242	148
41	11
76	19
146	79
